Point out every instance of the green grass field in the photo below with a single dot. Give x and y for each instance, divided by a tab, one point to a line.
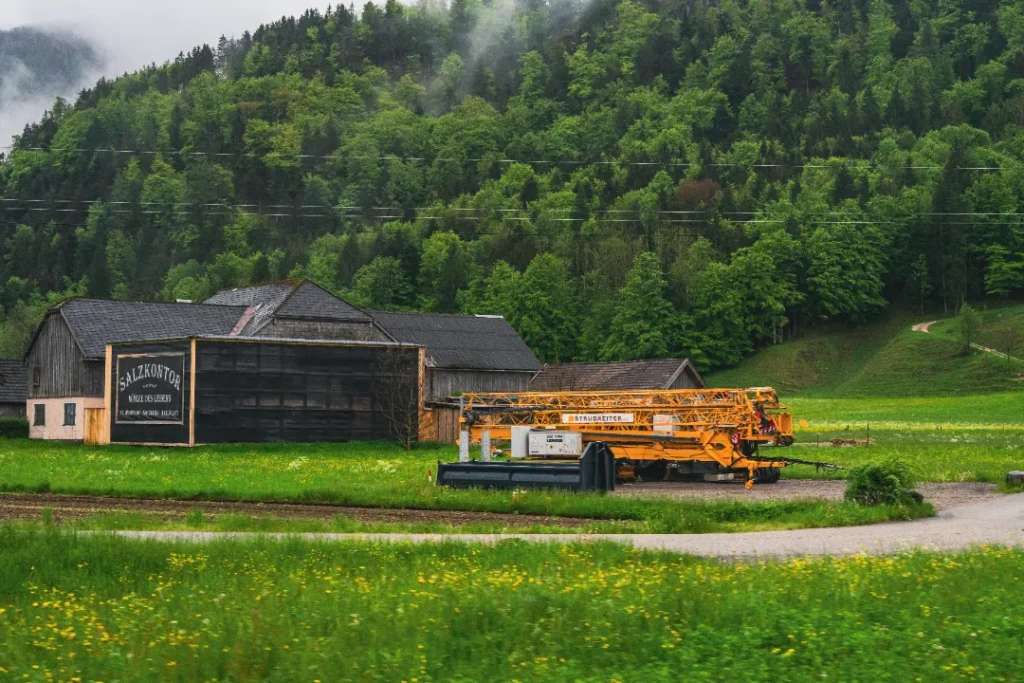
102	608
963	438
993	411
375	475
946	438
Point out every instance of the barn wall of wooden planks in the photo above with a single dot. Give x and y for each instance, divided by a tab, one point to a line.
56	366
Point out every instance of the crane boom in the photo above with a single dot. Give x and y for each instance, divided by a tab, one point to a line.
690	431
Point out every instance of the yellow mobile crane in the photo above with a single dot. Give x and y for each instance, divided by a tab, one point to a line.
711	433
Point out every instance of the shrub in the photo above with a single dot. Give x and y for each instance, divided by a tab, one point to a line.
888	483
13	428
970	321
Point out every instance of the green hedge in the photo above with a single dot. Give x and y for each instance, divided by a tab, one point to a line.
887	483
13	428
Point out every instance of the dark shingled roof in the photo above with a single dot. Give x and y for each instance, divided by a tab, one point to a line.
287	299
466	342
263	300
97	322
310	300
272	294
13	385
634	374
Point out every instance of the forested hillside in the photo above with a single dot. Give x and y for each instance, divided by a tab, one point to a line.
619	178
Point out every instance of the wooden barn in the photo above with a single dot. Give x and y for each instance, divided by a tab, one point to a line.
663	373
13	389
297	309
65	361
464	353
243	389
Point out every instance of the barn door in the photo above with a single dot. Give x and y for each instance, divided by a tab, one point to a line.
95	421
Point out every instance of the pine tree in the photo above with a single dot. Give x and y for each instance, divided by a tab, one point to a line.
870	113
642	324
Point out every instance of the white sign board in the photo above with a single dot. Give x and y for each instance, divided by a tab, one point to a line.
597	418
546	442
664	424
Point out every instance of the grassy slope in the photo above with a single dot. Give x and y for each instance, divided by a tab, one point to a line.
950	417
884	359
108	609
1002	329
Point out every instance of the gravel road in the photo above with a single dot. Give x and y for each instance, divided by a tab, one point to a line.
999	521
941	496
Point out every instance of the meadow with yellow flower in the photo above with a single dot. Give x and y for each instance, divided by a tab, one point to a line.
104	608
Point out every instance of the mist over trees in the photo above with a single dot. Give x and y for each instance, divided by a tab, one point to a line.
619	179
35	66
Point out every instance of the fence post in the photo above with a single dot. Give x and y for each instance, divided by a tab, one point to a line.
464	445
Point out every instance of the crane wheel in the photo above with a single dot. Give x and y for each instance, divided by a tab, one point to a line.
768	475
652	471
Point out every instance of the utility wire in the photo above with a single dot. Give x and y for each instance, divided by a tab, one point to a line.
503	161
15	204
599	219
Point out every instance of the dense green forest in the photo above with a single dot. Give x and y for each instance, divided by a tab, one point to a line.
620	179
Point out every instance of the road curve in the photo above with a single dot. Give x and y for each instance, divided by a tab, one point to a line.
992	522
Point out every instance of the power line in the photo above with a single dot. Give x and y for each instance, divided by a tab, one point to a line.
12	203
845	163
65	213
66	208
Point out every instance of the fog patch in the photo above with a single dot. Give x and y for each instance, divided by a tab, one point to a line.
36	67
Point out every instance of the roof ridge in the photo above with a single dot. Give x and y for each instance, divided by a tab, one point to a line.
485	316
148	303
612	362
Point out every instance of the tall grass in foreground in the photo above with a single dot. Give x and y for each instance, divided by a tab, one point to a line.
110	609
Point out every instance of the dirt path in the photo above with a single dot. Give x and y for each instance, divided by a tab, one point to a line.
31	506
940	495
997	354
995	522
926	328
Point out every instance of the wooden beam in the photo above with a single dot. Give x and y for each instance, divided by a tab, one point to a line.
424	418
108	394
192	396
